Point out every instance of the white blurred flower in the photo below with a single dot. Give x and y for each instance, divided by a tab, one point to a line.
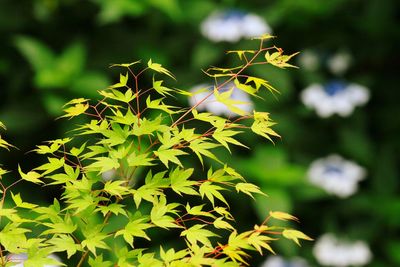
329	251
276	261
339	62
212	105
308	60
334	97
336	175
19	259
233	25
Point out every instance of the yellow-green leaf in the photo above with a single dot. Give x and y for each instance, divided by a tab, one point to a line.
295	236
31	176
282	216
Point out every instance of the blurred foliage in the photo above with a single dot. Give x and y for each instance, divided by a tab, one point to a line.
55	50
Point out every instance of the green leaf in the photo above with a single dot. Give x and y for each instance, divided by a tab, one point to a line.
95	240
115	188
125	65
225	136
51	166
135	228
282	216
198	211
158	104
196	234
231	104
221	224
103	164
98	262
158	68
31	176
126	97
158	213
113	208
152	188
180	183
295	236
169	155
139	160
77	151
171	256
66	243
18	201
246	88
75	110
262	125
67	226
38	55
201	147
278	59
162	90
248	189
210	191
259	242
12	237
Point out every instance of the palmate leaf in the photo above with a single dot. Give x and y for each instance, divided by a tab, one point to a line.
12	237
103	164
99	262
282	216
75	110
116	188
153	187
158	214
172	255
248	189
259	241
123	80
201	147
53	165
162	90
225	136
196	234
94	241
113	208
135	228
180	182
125	65
231	104
220	223
31	176
241	53
295	235
262	125
158	104
66	226
169	155
278	59
66	243
20	204
246	88
258	82
5	144
198	211
126	97
159	68
210	191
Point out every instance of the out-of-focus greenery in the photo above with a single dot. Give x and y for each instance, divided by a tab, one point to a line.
55	50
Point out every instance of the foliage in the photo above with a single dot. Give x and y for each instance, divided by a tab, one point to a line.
133	133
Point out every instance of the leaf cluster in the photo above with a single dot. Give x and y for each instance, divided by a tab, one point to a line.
134	136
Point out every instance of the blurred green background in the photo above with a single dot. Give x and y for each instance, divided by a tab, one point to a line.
55	50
